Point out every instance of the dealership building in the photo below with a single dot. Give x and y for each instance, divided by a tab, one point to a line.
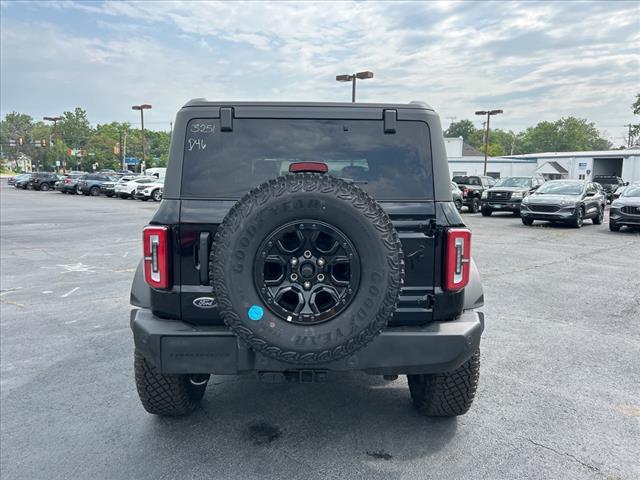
464	160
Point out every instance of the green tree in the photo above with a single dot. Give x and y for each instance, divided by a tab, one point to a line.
75	129
16	125
493	150
564	135
634	130
464	129
508	141
157	148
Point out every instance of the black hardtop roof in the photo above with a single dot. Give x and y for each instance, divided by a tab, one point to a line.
203	102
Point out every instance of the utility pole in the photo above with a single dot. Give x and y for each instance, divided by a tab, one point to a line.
55	121
142	108
123	149
488	113
352	79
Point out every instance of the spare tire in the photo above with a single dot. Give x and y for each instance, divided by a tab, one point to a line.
306	268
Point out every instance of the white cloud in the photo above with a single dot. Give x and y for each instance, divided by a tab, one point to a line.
534	60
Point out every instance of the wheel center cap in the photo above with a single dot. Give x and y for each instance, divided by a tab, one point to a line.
307	270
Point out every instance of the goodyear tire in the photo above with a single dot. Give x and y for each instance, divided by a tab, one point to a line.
168	395
446	394
298	229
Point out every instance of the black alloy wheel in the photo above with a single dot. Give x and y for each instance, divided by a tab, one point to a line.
578	220
597	220
309	272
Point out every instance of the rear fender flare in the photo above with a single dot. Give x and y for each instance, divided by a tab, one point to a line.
473	292
140	291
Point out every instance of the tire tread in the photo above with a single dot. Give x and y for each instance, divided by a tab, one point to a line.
169	395
446	394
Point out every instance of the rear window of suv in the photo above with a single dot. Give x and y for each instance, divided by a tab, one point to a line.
606	180
221	164
467	181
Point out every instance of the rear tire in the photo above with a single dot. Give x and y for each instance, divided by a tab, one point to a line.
170	395
458	205
474	205
44	187
486	212
446	394
527	221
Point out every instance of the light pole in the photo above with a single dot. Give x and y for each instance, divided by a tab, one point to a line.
55	121
488	113
142	108
352	79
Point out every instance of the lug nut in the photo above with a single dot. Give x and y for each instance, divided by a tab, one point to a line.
307	285
321	262
320	277
294	277
307	254
294	261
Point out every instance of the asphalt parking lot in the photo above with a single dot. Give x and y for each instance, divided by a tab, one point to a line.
559	393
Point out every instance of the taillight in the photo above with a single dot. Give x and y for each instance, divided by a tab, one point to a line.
465	191
457	258
156	256
317	167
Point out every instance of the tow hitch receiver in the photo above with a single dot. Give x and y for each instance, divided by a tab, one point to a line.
294	376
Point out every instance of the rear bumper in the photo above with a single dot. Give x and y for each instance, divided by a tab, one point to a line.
175	347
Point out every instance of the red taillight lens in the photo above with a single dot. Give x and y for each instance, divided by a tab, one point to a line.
465	191
156	256
457	259
317	167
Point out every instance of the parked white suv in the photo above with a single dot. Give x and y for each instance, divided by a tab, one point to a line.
127	188
153	190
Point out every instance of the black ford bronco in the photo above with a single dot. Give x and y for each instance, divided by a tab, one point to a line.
298	240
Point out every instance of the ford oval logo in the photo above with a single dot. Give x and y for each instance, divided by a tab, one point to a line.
204	302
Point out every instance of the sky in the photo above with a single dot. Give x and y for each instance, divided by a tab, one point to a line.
535	60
